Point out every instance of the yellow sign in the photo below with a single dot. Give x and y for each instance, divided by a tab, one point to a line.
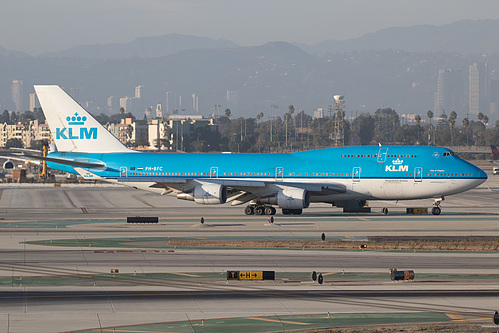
250	275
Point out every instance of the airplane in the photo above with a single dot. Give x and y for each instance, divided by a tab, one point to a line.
495	154
345	177
495	159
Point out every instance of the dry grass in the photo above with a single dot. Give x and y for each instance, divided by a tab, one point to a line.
452	244
412	328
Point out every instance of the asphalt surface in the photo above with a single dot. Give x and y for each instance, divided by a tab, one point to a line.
83	213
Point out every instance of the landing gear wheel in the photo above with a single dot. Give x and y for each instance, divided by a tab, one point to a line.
286	212
384	211
436	210
269	210
248	210
259	210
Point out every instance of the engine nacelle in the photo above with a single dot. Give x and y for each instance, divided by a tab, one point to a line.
206	194
289	198
8	165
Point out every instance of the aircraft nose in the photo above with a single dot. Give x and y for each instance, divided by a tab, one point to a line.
482	176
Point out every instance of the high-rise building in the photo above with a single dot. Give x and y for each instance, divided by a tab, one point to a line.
195	102
32	102
112	104
139	91
232	97
494	98
17	95
479	89
171	102
450	92
159	111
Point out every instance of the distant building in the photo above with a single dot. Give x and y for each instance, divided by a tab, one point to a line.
17	95
319	113
129	104
130	133
171	102
25	132
159	111
113	103
450	92
139	91
195	102
232	97
33	102
479	90
176	130
494	98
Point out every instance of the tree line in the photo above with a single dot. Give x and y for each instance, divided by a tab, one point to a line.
299	131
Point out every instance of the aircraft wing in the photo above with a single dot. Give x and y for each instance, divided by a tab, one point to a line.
184	184
39	158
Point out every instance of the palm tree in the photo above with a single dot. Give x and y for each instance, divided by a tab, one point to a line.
129	132
418	121
452	122
429	114
395	119
466	124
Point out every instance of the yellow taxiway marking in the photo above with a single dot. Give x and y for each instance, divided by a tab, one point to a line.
330	273
127	331
279	321
474	319
454	315
364	219
185	274
348	236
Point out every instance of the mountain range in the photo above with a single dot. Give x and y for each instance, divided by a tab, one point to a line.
394	67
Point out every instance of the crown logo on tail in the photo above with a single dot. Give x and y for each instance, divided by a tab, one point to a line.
76	119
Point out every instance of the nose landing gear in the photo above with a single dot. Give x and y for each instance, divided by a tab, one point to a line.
436	210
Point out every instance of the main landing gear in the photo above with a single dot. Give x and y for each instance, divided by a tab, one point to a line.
259	209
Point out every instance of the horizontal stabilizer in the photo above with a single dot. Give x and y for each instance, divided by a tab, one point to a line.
87	174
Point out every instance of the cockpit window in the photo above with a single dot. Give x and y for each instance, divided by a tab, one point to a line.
448	153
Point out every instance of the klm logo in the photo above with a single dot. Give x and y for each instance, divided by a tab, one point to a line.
397	166
72	133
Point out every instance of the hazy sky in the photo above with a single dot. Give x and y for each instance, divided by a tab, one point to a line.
37	26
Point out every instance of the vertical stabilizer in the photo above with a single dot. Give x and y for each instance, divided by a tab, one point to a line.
495	153
73	128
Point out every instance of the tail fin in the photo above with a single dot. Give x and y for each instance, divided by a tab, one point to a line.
74	129
495	152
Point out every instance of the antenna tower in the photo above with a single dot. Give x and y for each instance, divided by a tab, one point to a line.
338	117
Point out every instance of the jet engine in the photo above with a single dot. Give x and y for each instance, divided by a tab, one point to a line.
8	165
289	198
206	194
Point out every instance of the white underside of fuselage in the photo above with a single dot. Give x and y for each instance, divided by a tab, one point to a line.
363	189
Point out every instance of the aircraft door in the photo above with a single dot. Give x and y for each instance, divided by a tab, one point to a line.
382	154
214	172
418	174
356	174
279	173
123	171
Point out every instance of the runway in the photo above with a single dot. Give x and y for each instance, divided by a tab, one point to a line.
58	245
